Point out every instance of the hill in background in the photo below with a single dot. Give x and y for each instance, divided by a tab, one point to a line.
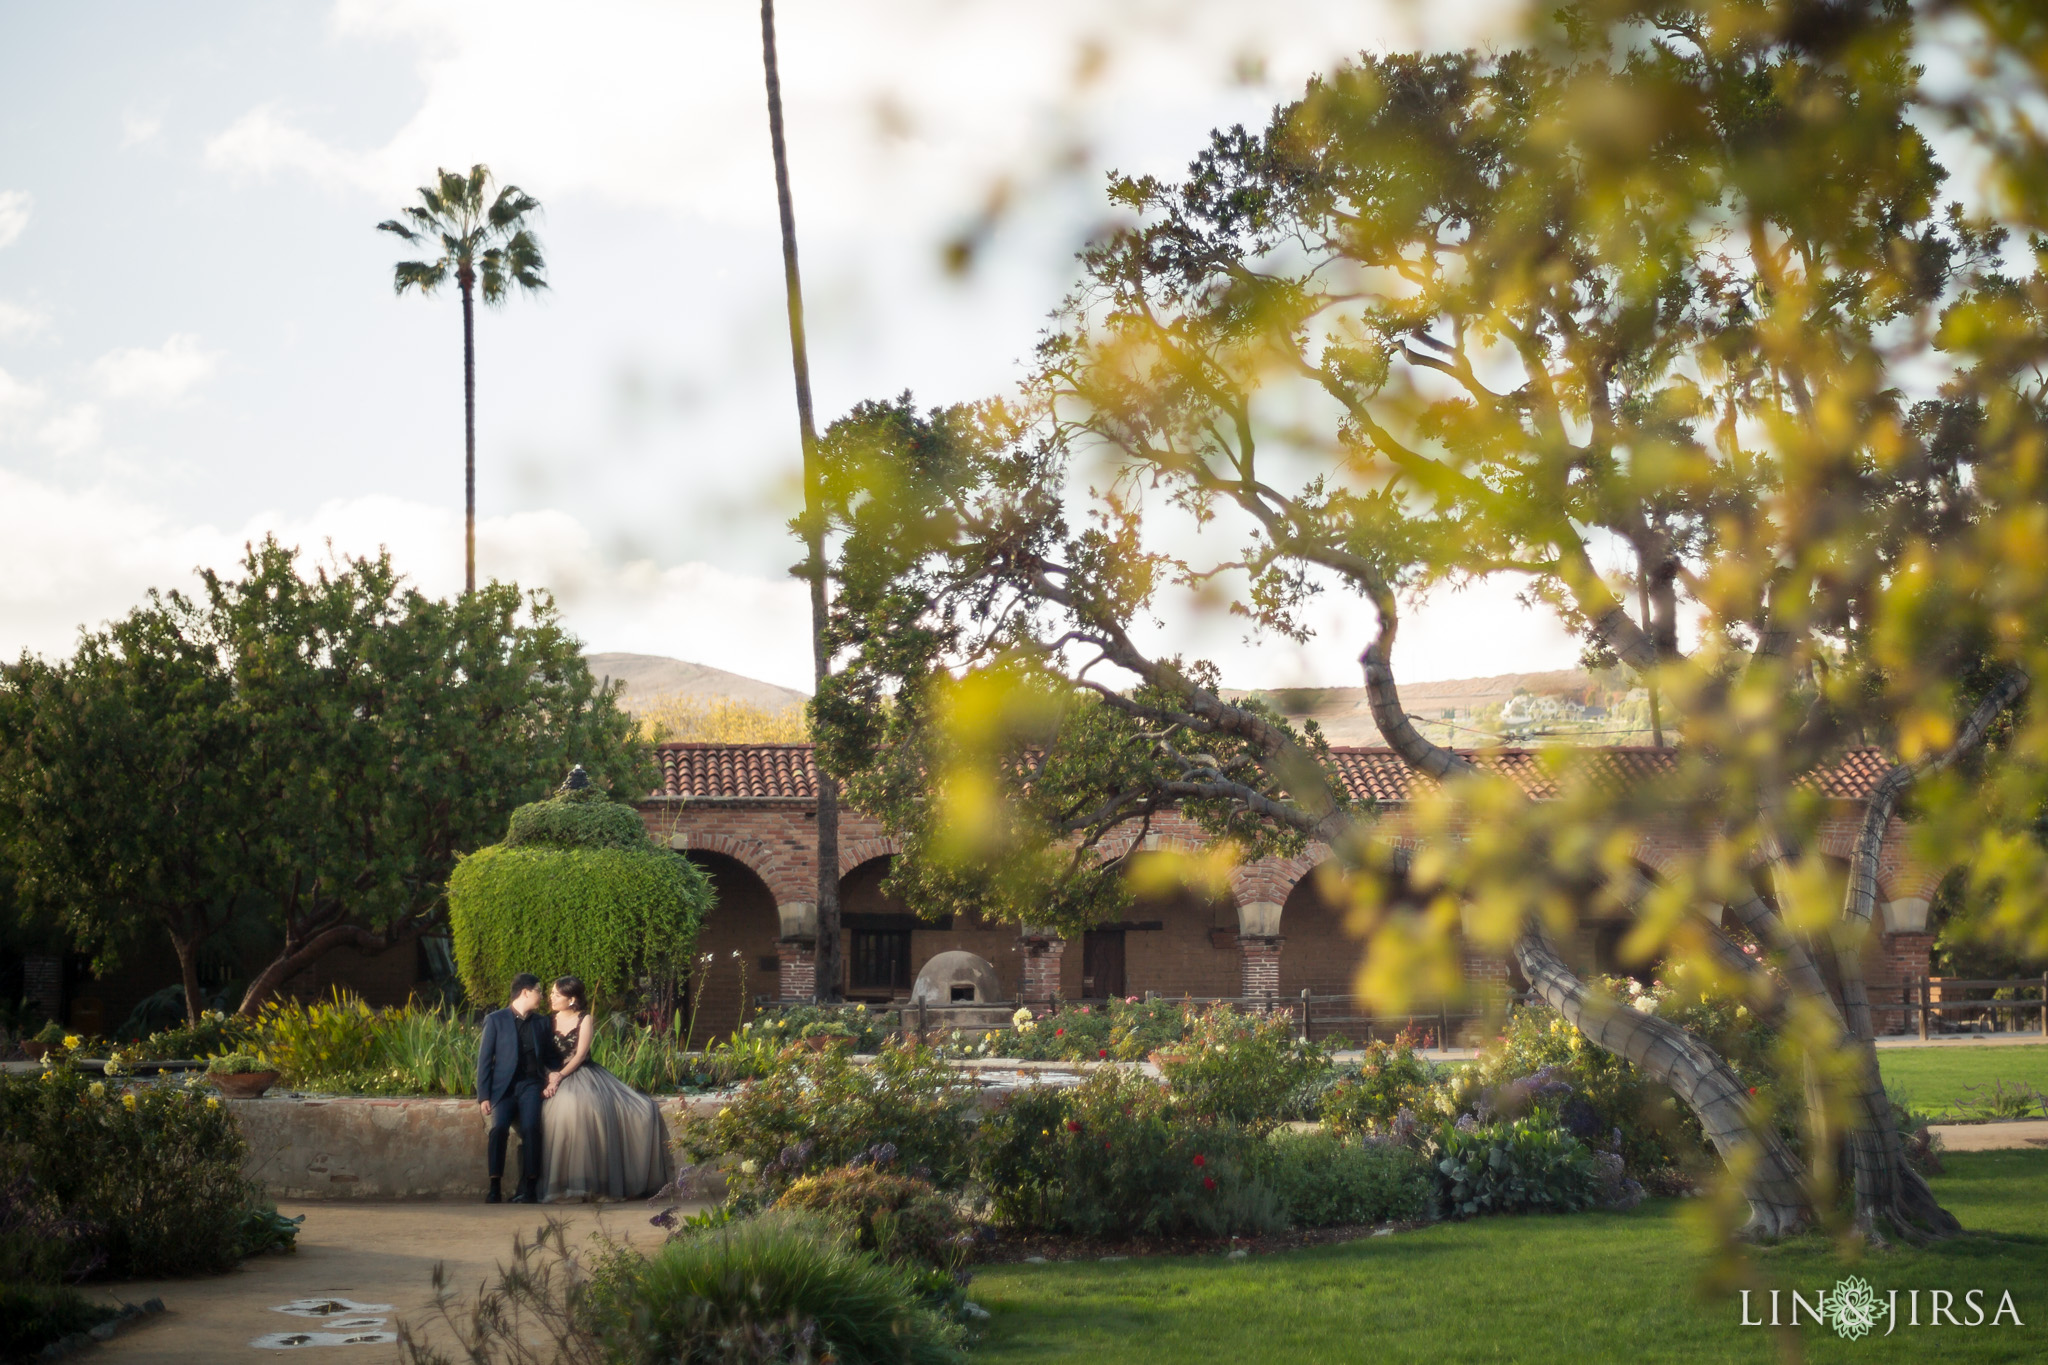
651	677
678	700
1569	705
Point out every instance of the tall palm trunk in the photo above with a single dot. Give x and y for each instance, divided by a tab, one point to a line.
467	278
830	972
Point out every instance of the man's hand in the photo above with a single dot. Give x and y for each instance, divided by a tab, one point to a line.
549	1093
485	1106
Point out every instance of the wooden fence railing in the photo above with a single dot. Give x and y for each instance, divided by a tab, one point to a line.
1319	1017
1916	1000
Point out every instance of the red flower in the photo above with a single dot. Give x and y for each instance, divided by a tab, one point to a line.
1105	1144
1059	1033
1752	1090
1201	1160
1208	1182
1102	1052
1073	1125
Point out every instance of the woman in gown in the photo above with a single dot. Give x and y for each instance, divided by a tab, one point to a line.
600	1138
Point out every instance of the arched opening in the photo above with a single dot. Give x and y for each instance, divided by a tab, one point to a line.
739	935
1319	953
877	932
1180	940
885	944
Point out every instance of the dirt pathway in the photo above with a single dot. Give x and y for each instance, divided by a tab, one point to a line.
361	1253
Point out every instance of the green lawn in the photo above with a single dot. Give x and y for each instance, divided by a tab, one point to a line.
1932	1078
1593	1287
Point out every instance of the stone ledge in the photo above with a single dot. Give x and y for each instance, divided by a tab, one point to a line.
374	1147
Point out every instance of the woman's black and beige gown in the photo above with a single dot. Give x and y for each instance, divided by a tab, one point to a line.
601	1138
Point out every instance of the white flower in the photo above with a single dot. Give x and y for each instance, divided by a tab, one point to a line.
749	1166
1022	1017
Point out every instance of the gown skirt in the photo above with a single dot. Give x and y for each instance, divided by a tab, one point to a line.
602	1139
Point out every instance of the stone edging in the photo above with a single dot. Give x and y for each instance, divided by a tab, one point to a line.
130	1315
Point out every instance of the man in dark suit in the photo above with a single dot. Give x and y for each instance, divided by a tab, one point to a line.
512	1066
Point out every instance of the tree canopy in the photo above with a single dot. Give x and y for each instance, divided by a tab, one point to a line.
577	889
1671	316
317	749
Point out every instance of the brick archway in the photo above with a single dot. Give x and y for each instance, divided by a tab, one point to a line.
787	876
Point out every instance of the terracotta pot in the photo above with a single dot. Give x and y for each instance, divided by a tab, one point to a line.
33	1049
244	1085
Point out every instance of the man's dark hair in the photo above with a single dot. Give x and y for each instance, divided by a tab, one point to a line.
525	981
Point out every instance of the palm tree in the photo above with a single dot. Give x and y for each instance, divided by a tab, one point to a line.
829	971
483	241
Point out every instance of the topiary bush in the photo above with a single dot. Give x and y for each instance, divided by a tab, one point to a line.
577	888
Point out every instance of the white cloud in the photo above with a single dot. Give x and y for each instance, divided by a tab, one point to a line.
919	107
137	129
18	323
163	374
14	208
18	399
262	143
78	558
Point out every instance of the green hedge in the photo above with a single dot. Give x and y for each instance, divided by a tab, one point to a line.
576	889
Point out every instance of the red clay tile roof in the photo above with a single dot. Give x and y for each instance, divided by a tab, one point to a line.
785	772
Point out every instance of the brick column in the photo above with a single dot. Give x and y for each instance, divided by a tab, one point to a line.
796	969
42	983
1902	959
1259	966
1042	959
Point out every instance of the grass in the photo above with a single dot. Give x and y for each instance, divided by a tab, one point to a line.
1607	1286
1933	1079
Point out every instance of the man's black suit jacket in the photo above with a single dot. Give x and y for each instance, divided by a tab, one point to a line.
497	1058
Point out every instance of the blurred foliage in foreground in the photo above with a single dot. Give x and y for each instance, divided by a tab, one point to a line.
1671	315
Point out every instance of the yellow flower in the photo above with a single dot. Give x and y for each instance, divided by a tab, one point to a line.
128	1100
71	1042
212	1103
98	1090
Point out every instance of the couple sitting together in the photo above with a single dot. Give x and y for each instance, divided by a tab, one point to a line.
583	1132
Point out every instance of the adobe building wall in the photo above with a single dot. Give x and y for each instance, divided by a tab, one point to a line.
1223	946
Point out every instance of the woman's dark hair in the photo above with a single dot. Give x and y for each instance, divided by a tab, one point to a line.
572	987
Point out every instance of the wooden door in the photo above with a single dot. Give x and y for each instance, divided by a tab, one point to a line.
1102	964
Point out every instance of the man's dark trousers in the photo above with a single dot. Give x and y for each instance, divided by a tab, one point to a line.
521	1106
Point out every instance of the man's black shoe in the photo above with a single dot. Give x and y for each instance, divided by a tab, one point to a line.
525	1196
494	1197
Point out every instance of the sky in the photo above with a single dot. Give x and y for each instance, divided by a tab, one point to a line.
199	341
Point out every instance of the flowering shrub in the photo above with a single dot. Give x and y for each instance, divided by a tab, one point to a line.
1608	1093
1241	1068
1521	1165
817	1109
216	1032
1121	1030
899	1218
150	1176
1366	1098
1325	1180
1117	1157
